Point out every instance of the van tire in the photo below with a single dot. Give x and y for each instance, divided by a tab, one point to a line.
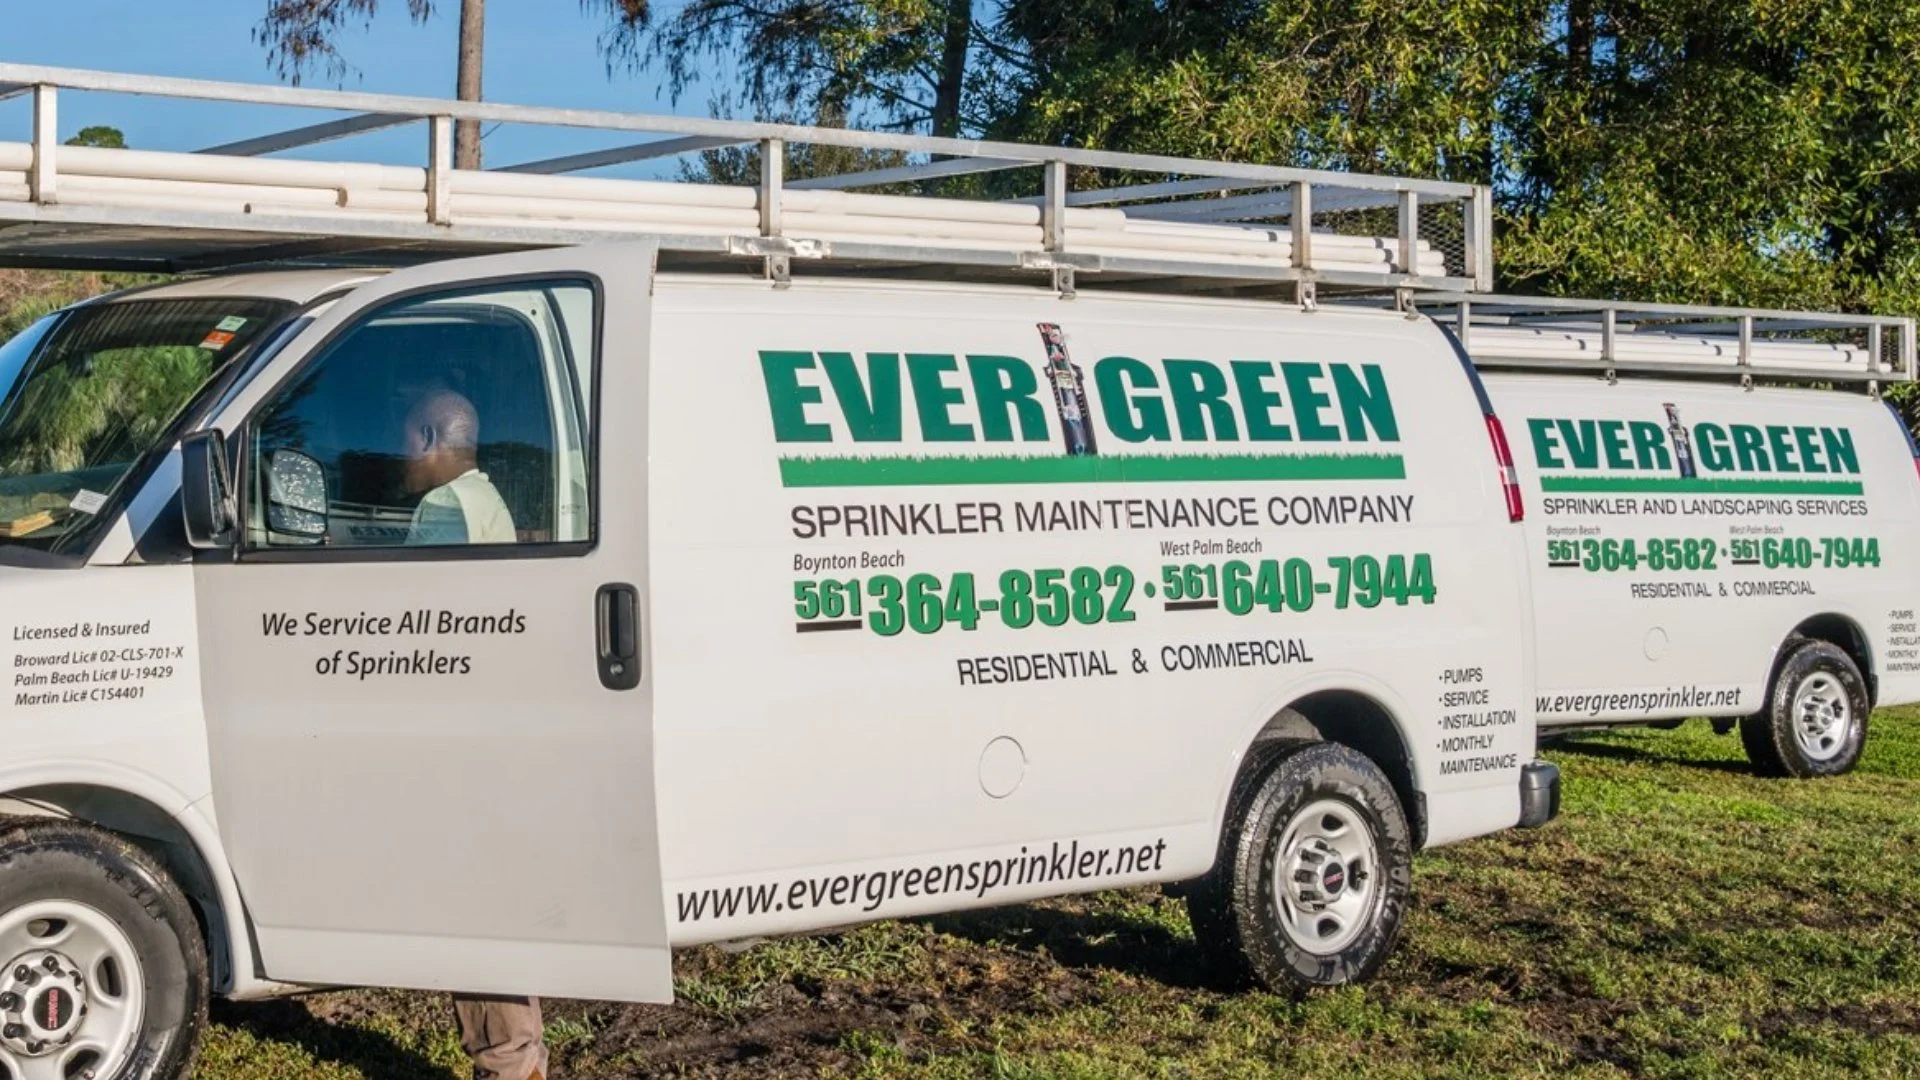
1324	816
1814	722
86	912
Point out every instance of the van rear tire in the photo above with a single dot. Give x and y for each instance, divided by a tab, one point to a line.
1314	873
105	969
1814	722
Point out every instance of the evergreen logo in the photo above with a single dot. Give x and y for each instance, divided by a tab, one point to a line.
1646	456
846	420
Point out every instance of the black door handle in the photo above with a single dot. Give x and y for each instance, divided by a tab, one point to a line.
617	621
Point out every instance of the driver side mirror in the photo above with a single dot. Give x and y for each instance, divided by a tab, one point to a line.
296	496
206	490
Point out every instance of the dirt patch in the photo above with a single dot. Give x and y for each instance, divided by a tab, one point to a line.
805	1026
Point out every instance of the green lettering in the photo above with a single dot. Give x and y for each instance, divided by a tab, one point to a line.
1779	440
1365	403
1583	443
1199	393
1710	446
1258	402
1805	441
1005	387
1543	455
1750	449
1650	445
871	406
1141	418
1839	443
1613	436
1308	402
787	399
934	399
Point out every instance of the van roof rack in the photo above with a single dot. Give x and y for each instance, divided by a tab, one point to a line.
1608	337
1165	223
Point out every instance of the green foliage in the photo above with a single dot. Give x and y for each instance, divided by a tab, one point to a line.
103	410
1752	151
99	135
887	63
299	35
26	295
1761	151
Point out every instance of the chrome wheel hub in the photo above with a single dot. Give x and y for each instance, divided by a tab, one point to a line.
71	993
1326	880
42	1001
1822	717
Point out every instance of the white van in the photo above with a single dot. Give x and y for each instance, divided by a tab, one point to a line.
501	623
1709	547
837	602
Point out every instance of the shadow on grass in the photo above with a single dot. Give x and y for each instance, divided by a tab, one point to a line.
1092	939
1639	755
287	1020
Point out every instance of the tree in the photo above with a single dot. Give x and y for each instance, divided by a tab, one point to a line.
1743	151
903	64
99	135
300	35
1758	151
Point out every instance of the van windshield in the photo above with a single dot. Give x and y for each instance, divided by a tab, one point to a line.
90	392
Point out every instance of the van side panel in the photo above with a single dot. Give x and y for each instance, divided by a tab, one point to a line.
1682	531
968	595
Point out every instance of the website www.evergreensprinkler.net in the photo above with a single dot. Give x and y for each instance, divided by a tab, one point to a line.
1061	862
1616	702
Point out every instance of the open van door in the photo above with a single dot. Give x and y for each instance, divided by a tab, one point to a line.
427	694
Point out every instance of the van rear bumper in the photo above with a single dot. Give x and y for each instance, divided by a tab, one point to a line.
1539	793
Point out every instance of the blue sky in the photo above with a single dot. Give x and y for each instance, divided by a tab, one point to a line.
539	52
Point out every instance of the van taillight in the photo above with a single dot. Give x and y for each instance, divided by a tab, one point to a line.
1509	479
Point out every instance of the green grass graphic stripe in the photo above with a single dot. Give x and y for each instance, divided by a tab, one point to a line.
1700	485
796	472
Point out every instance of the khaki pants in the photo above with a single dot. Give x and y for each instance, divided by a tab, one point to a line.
503	1036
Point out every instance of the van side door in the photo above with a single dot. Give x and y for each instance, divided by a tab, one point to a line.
427	696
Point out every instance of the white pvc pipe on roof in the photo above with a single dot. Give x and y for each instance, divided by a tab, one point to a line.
598	226
807	223
227	206
214	168
1367	255
596	189
848	204
507	208
373	199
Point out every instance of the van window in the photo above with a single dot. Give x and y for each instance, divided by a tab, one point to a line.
440	421
92	393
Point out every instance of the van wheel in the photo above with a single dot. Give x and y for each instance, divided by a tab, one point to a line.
1814	722
1315	870
105	971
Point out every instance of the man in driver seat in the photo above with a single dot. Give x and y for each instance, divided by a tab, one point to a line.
503	1035
459	505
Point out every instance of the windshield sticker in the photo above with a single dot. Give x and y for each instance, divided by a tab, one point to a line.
231	323
217	340
88	502
24	526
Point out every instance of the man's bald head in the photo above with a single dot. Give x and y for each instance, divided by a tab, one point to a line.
442	439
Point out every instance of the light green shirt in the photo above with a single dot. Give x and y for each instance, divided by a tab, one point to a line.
464	510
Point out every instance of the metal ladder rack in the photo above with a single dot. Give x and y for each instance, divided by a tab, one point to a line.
1063	216
1607	337
1171	224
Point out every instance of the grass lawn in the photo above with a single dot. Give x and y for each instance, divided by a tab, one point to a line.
1681	919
